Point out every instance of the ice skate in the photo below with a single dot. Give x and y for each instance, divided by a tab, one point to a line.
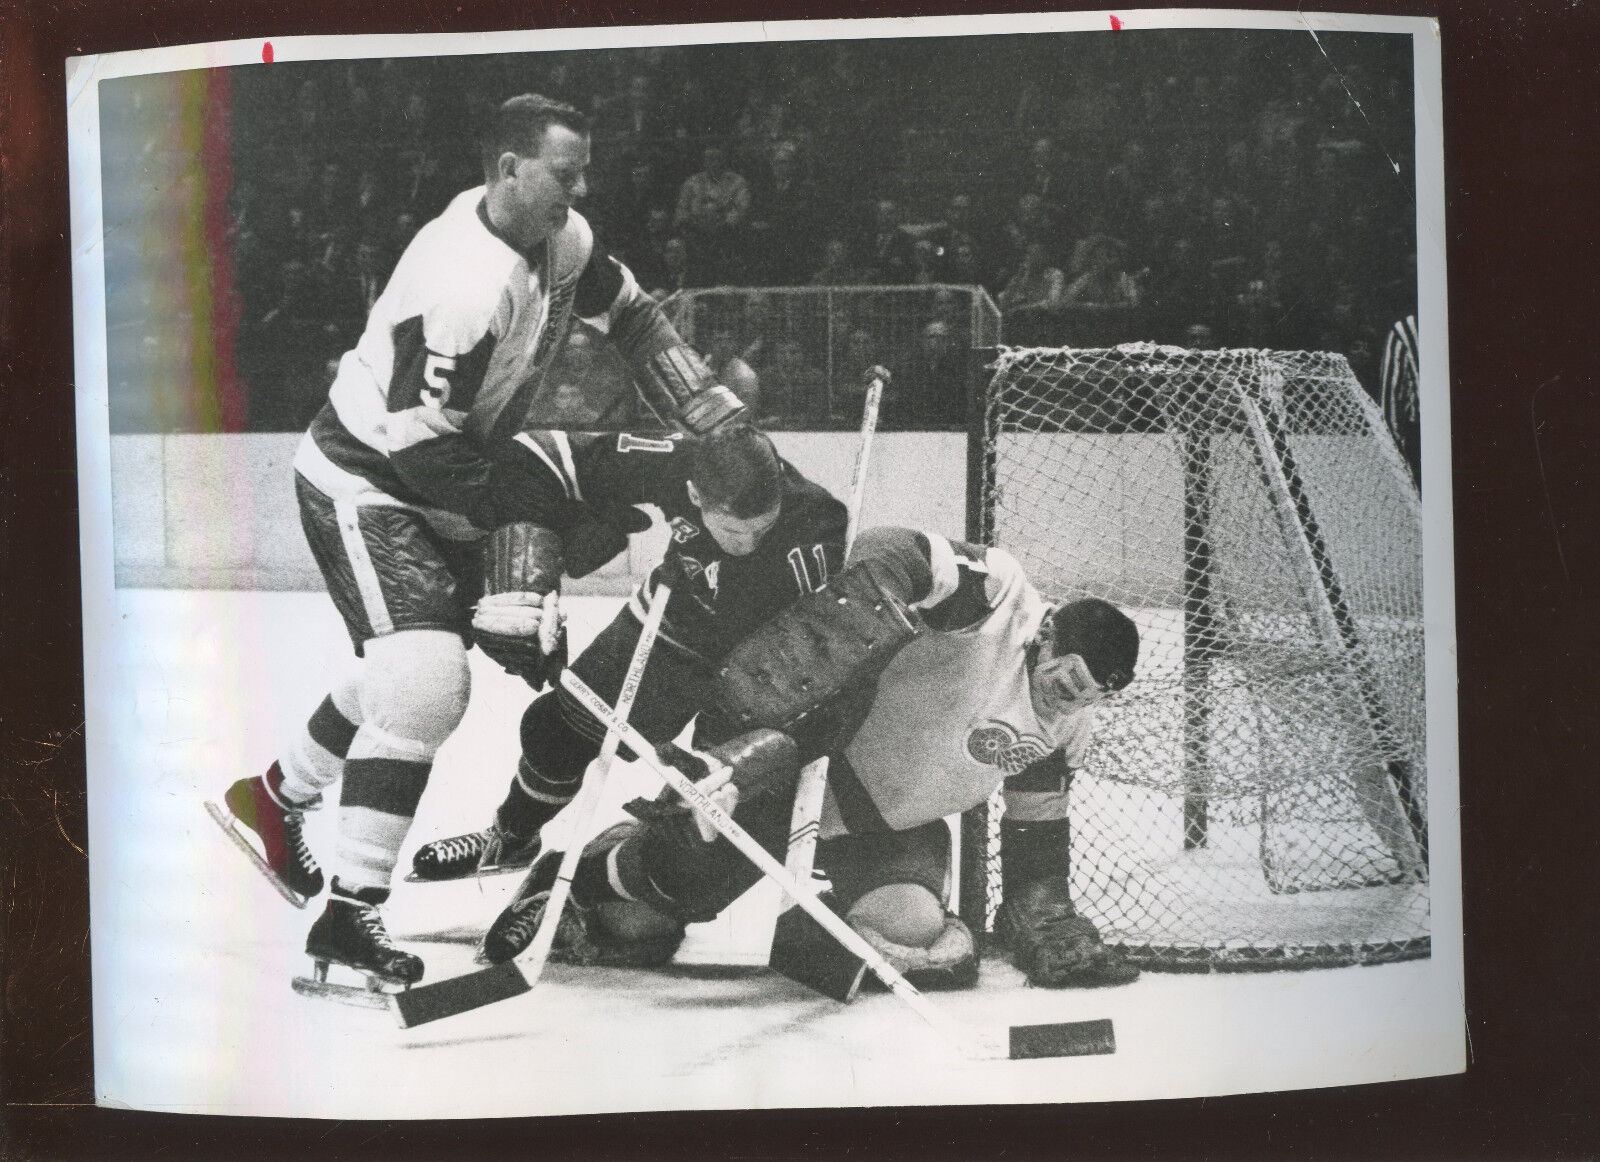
270	831
350	932
481	853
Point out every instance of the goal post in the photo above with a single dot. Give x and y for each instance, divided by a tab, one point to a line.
1257	797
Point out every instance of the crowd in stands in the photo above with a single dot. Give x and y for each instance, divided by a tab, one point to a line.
1204	189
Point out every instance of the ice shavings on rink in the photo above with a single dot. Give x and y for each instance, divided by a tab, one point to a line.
193	950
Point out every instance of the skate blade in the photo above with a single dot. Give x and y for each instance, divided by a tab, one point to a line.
228	822
459	994
498	869
345	994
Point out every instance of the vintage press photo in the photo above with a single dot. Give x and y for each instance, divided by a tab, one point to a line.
1113	345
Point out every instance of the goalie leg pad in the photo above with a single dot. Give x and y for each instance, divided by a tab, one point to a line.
1055	946
950	962
806	672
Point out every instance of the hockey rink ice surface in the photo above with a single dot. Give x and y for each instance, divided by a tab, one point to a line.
193	950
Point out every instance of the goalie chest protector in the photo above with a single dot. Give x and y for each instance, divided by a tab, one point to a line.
953	717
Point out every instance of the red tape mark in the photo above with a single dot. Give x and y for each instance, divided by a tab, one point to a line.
266	51
1116	24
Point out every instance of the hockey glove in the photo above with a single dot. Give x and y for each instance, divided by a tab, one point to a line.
525	633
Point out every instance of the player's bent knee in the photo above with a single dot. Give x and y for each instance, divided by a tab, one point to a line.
907	914
416	684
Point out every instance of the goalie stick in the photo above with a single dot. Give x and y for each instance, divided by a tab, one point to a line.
1024	1040
806	821
473	990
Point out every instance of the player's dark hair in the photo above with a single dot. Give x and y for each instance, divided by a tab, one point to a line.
736	471
518	126
1102	635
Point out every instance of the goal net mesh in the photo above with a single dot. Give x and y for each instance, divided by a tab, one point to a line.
1257	797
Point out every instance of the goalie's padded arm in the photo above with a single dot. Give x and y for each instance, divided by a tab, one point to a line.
946	580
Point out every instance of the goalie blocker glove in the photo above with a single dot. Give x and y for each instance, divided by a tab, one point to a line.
518	622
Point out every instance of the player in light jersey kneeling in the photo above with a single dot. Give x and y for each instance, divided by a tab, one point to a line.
985	684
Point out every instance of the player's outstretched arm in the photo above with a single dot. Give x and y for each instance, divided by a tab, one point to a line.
671	377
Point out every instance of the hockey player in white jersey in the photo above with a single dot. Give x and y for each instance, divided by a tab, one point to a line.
411	521
990	686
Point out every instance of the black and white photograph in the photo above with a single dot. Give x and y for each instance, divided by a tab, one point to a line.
754	566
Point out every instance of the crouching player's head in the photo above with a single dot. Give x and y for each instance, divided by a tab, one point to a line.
1083	651
736	480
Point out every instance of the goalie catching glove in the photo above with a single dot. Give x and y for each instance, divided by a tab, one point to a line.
1053	945
519	622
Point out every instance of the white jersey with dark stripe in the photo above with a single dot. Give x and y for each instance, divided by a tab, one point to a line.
453	352
717	598
952	717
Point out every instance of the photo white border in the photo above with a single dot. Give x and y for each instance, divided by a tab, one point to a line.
100	617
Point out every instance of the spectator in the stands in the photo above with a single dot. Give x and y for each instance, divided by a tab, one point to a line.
756	329
634	116
573	403
1031	224
646	255
951	309
960	225
890	248
793	392
627	211
674	269
783	219
860	349
1033	298
925	265
839	267
963	265
930	391
1043	174
1097	278
712	206
722	356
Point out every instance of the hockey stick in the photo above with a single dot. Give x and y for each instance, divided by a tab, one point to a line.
538	954
879	378
460	994
805	822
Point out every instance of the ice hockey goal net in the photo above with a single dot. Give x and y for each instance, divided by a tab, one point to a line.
1257	798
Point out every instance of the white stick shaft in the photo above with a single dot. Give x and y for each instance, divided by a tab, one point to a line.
806	819
763	859
589	795
858	486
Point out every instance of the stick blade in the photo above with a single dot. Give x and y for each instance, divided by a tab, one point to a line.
1068	1039
459	994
